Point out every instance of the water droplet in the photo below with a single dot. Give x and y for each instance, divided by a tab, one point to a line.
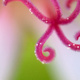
40	43
46	21
36	44
30	11
67	18
69	44
77	46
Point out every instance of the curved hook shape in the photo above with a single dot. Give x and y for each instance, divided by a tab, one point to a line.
68	43
54	24
77	35
72	16
69	2
39	45
45	19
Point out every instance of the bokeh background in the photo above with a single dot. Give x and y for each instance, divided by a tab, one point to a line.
19	32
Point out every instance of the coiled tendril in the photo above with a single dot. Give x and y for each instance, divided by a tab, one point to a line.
77	35
40	44
68	43
54	24
69	2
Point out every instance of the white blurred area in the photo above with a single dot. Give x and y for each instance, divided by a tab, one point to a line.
9	35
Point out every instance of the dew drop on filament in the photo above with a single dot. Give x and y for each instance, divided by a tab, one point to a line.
69	44
30	11
73	44
36	44
40	43
77	46
67	18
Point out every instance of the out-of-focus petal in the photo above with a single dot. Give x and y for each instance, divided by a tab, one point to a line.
8	43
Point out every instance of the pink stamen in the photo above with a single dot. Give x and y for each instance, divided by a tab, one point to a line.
53	25
68	43
40	44
72	16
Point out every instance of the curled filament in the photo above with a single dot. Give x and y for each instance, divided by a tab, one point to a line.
72	16
53	25
68	43
77	36
69	2
39	46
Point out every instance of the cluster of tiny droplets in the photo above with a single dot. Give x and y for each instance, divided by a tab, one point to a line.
53	25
